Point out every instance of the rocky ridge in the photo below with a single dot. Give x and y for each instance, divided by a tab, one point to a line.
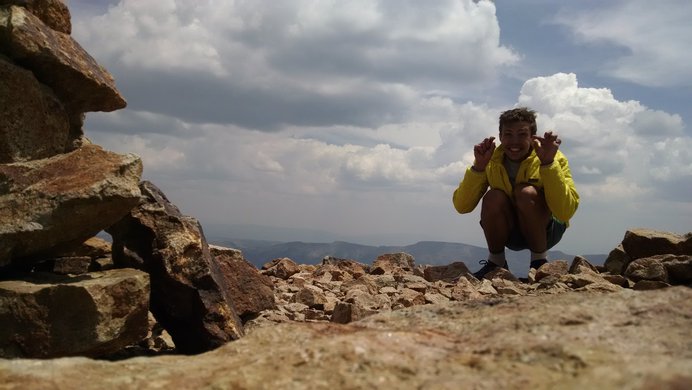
160	288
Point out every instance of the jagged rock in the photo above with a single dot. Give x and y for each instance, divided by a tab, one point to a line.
447	273
617	261
583	279
63	200
58	61
557	268
618	280
46	316
647	268
250	291
311	296
33	122
76	265
582	340
408	298
644	284
639	243
53	13
464	290
352	267
281	268
501	273
678	268
581	265
506	287
190	295
389	263
94	247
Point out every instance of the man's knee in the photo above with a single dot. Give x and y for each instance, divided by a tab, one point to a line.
528	196
495	200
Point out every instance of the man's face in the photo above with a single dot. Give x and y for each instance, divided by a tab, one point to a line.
516	139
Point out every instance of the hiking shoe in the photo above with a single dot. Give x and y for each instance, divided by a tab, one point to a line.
536	264
487	267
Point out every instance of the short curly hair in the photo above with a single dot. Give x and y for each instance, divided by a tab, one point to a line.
521	114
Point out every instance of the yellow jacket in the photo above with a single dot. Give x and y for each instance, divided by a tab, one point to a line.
555	180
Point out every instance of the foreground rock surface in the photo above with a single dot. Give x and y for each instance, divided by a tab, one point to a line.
627	339
46	315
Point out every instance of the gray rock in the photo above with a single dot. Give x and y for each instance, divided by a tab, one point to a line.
647	268
639	243
617	261
95	314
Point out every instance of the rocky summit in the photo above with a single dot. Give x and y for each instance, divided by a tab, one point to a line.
158	306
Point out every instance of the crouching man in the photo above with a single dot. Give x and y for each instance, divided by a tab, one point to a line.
531	197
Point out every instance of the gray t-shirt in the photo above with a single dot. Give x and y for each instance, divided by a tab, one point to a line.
512	168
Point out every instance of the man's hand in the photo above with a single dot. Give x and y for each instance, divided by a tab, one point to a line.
546	147
482	153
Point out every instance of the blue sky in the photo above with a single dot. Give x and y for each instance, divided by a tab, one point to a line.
355	120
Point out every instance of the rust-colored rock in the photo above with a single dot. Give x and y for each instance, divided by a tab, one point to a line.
33	122
54	13
389	263
282	268
447	273
190	296
251	292
63	200
58	61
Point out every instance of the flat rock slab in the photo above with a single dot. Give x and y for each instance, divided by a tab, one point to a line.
58	61
45	315
66	198
574	340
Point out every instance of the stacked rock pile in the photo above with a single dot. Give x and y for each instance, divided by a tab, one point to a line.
61	291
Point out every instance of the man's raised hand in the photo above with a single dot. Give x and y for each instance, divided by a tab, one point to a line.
546	147
482	153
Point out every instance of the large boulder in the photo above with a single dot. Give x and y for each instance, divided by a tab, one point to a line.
190	294
58	61
251	292
63	200
45	315
33	122
639	243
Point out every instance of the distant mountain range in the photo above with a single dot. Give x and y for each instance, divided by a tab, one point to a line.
259	252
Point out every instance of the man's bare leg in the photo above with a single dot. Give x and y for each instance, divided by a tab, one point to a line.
497	219
533	216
